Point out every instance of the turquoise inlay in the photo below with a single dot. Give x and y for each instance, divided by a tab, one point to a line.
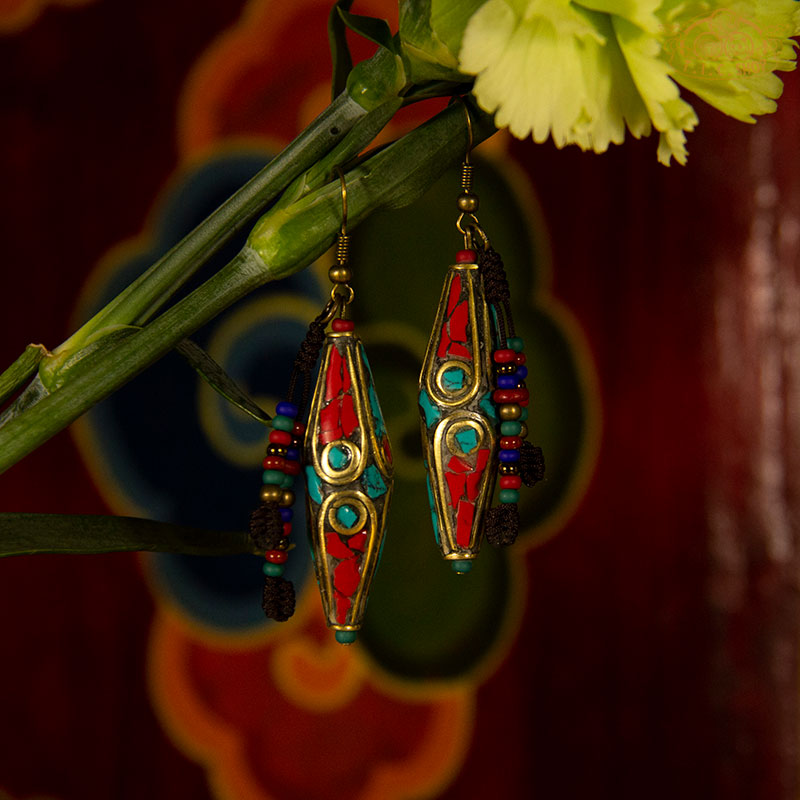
347	516
467	440
488	406
432	414
373	482
453	378
313	482
377	415
434	518
338	457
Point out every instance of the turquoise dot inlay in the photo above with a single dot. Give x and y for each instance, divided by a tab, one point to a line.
467	440
338	457
432	414
453	379
347	516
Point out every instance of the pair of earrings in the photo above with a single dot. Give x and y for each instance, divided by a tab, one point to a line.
473	406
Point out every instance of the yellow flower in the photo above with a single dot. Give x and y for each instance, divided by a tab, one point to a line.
583	71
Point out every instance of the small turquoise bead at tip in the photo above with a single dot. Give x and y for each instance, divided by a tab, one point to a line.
281	423
272	570
287	482
510	428
274	476
346	637
461	566
508	495
516	344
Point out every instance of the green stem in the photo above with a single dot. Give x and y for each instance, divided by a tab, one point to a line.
284	241
74	534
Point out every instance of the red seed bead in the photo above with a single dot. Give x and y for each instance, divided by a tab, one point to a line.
502	396
510	481
287	529
519	358
273	462
524	402
503	356
465	257
299	429
342	325
276	556
280	437
511	442
291	467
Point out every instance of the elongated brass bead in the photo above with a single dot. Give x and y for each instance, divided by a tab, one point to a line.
340	273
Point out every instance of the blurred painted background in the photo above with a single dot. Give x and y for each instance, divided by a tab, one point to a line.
641	638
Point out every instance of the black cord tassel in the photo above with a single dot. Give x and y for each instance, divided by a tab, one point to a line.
278	598
266	526
502	524
531	464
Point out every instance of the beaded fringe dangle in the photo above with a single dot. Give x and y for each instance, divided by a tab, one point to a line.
472	419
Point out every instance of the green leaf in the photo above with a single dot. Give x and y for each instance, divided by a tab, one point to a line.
371	28
341	59
219	380
31	534
22	369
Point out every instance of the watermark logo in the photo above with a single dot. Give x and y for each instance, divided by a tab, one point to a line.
723	45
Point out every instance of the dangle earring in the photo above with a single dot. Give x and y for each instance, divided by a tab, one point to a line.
473	399
348	463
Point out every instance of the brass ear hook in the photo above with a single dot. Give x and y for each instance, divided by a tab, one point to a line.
340	273
467	222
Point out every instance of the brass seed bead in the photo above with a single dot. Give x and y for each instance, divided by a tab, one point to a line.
523	430
468	202
506	369
283	544
287	499
507	468
276	450
340	273
271	493
509	411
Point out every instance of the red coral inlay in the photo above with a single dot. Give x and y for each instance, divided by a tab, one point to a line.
455	484
336	547
387	449
358	541
457	464
458	322
474	478
343	605
455	293
464	517
338	417
346	576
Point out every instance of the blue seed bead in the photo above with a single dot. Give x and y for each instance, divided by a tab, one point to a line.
293	453
524	415
508	455
286	514
281	423
461	567
286	409
506	381
510	428
272	570
274	476
287	482
346	637
521	373
508	495
516	344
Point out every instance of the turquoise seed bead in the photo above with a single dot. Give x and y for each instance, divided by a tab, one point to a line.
508	495
524	415
272	570
281	423
346	637
516	344
274	476
511	428
461	567
287	482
